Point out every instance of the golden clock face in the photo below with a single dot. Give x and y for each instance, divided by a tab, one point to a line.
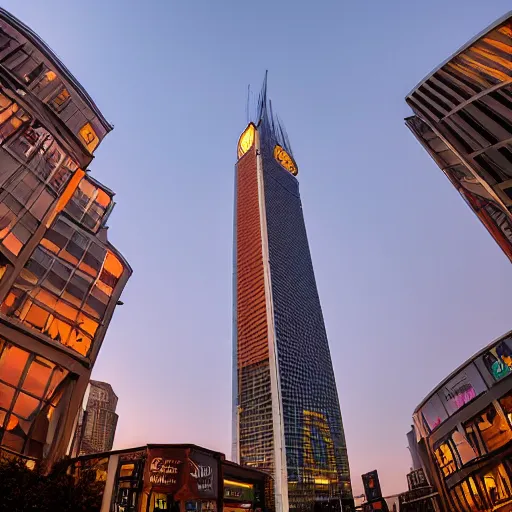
246	140
285	160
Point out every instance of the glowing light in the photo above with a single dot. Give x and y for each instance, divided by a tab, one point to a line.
238	484
89	136
322	481
246	140
285	160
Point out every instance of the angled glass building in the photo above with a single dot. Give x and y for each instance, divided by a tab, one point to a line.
60	278
286	413
463	118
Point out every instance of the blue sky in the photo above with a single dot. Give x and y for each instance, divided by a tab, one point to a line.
410	283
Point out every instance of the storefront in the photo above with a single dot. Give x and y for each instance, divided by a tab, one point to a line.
178	478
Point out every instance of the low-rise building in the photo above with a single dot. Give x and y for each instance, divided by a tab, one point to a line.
177	477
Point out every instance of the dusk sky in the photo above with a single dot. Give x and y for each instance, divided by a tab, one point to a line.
410	283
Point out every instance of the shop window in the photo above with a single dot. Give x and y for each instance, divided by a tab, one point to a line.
463	448
497	486
506	405
444	453
488	431
89	137
126	470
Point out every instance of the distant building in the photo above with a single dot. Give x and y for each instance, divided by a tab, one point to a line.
98	425
463	119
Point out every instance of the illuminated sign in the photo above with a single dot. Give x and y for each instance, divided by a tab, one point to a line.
246	140
163	471
238	491
285	160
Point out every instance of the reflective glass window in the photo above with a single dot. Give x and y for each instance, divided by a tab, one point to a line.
89	205
488	431
27	392
497	486
462	388
446	461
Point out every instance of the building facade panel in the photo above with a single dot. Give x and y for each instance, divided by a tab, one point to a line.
255	428
466	104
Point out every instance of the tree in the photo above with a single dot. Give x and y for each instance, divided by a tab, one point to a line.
26	490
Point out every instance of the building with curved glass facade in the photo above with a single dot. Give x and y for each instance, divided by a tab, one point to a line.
463	118
464	432
60	278
287	418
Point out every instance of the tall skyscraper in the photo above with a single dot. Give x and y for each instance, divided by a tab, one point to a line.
60	278
286	413
463	118
98	425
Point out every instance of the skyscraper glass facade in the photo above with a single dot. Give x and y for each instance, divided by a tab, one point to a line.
286	409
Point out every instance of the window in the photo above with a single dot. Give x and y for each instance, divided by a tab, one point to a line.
65	287
60	100
444	453
497	486
462	389
434	412
488	431
89	137
89	205
498	360
28	385
12	117
45	80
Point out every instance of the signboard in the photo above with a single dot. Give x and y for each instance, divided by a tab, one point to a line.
203	473
238	491
164	469
372	485
462	388
189	474
416	479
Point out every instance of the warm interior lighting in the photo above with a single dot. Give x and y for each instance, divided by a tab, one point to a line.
322	481
285	160
246	140
238	484
89	136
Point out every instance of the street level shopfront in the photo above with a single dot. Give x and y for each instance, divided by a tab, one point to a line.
178	478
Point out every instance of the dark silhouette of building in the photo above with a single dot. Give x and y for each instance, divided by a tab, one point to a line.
60	278
463	118
287	418
99	422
